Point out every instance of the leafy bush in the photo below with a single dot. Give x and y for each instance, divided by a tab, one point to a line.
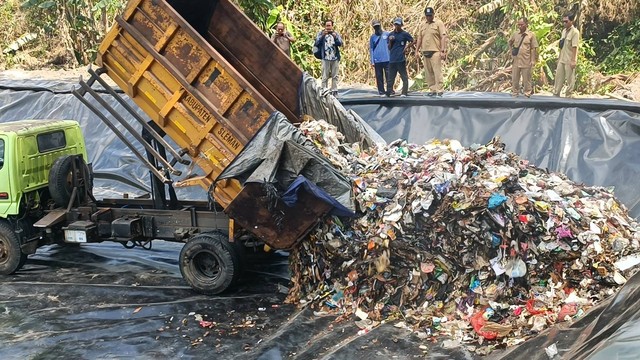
80	24
303	19
620	51
11	28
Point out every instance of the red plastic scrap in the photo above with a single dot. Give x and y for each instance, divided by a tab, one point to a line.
478	322
567	309
517	311
206	324
568	290
350	290
533	311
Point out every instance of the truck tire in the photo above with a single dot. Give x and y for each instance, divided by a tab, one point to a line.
61	180
241	254
11	256
209	263
237	250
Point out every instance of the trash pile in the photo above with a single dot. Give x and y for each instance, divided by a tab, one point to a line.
474	243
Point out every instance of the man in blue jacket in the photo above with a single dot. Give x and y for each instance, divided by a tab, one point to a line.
399	43
329	42
379	53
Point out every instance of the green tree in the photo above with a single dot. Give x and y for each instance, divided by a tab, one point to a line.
620	51
80	23
302	18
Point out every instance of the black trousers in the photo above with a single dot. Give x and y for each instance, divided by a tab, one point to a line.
394	69
382	75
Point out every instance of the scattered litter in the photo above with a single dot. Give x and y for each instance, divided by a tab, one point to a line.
551	350
450	344
365	324
627	262
361	314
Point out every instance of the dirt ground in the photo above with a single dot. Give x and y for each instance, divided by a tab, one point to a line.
632	89
45	74
71	75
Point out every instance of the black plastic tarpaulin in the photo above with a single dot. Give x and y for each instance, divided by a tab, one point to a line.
280	153
104	301
320	104
592	141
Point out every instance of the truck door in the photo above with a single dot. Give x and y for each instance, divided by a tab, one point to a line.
5	197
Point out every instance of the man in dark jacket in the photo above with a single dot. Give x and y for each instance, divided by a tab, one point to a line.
329	42
399	41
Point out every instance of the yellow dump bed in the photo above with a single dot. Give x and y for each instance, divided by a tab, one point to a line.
201	100
185	86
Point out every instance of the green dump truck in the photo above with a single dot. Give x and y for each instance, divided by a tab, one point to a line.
204	88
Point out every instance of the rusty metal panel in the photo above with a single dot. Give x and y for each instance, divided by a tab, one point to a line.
186	87
211	104
281	227
256	57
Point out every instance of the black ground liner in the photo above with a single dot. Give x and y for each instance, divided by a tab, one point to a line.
104	301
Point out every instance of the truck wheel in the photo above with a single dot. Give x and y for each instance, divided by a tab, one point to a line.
11	257
241	254
61	180
209	263
237	251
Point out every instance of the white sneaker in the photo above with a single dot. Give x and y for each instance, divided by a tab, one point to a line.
403	95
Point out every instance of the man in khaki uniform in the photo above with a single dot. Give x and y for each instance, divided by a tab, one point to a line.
524	50
283	39
566	70
432	44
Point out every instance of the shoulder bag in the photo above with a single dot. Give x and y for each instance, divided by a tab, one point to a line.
516	50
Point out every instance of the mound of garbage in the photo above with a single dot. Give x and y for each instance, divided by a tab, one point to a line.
470	242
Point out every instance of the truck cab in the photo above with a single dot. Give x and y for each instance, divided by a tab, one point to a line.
29	150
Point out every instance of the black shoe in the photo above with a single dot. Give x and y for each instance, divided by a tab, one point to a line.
440	94
431	94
